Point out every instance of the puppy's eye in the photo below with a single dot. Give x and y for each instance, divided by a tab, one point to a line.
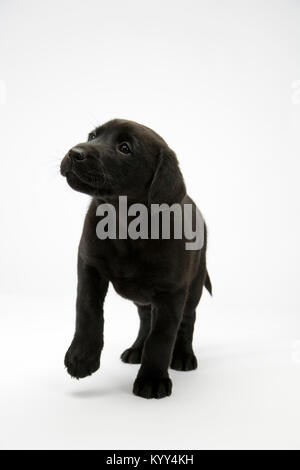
124	148
92	135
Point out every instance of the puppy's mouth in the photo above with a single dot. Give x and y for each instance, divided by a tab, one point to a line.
91	184
91	180
83	182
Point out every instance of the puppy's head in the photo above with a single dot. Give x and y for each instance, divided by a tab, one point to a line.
125	158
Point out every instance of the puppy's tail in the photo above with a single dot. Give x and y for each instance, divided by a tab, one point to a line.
207	283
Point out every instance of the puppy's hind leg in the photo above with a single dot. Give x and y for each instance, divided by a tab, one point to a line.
133	354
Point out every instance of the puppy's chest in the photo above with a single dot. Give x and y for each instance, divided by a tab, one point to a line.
129	267
133	278
137	271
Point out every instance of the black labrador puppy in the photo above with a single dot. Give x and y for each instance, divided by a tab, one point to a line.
162	277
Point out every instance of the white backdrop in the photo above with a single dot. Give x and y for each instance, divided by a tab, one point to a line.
219	80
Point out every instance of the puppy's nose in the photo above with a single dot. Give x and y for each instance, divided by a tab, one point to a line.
77	153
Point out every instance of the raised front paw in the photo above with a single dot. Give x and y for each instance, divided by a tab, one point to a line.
132	356
82	360
184	361
152	387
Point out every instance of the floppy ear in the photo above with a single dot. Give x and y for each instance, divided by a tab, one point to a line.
167	185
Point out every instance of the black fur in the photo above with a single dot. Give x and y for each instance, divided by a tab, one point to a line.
161	277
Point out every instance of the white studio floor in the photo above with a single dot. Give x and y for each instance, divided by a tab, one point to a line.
245	393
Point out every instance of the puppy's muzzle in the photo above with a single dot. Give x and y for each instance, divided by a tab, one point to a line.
75	155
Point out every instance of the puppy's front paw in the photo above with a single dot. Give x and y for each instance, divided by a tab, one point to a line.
132	356
184	361
152	387
81	360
